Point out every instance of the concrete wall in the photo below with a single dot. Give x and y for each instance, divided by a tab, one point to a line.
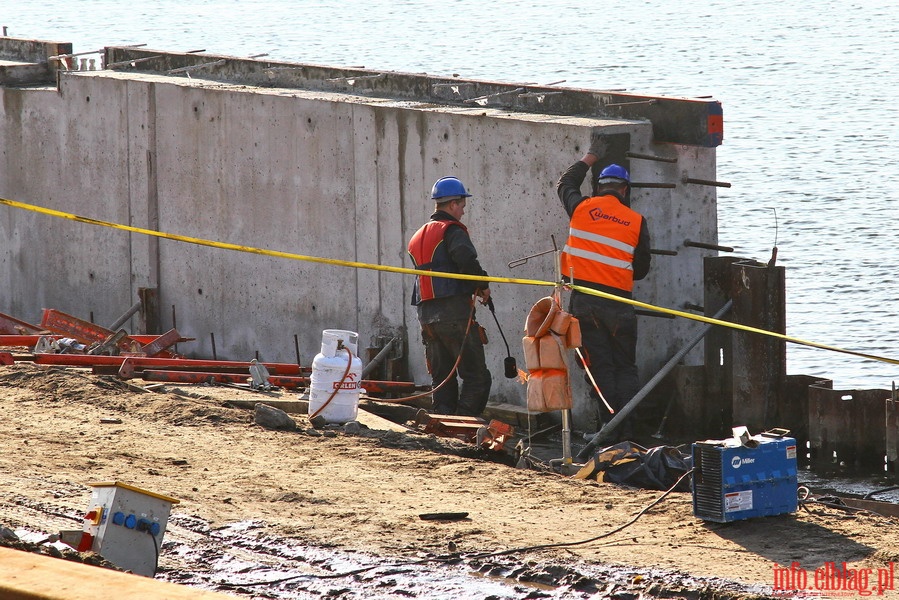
316	173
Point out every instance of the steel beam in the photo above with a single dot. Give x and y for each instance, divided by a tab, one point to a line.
759	362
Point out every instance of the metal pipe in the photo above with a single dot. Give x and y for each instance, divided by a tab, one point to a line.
566	437
607	429
121	320
705	182
100	51
692	244
378	359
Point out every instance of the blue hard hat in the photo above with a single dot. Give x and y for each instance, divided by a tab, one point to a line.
614	174
448	186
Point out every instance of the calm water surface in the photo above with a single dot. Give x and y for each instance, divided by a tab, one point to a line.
809	94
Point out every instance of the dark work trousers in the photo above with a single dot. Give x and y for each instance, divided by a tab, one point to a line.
609	338
443	341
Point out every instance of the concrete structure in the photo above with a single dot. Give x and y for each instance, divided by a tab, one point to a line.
324	162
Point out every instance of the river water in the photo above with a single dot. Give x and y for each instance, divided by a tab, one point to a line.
808	90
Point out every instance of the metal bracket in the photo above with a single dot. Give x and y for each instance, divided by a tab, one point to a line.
259	376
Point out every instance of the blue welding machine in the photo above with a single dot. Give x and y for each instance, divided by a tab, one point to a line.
745	477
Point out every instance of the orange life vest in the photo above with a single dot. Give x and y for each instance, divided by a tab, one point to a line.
550	331
429	253
601	241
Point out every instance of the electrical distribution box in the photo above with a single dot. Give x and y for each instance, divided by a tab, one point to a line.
125	525
745	477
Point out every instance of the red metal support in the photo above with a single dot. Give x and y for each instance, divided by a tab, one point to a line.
84	331
474	430
12	326
151	345
138	363
161	343
282	381
21	340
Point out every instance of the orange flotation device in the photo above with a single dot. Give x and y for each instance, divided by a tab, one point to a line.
549	332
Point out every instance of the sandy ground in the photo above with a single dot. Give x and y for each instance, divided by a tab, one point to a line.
360	496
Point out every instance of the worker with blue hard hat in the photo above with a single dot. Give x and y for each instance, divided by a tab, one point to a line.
446	306
607	250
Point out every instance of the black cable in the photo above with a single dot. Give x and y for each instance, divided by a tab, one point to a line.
455	558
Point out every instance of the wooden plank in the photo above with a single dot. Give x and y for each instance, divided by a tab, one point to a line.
30	576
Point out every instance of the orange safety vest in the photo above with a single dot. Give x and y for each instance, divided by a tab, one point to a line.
602	238
429	253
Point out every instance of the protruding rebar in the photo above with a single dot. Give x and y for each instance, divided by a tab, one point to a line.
351	80
669	186
484	99
705	182
650	102
650	157
692	244
696	307
188	69
520	261
652	313
663	252
133	61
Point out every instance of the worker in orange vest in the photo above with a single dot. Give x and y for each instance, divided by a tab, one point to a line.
607	250
446	306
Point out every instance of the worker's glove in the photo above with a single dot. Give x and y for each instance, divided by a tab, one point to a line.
599	145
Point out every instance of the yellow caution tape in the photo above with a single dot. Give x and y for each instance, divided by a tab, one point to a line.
405	271
731	325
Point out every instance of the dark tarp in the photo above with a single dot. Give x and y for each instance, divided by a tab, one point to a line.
629	463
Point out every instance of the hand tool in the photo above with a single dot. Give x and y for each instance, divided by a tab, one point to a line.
511	368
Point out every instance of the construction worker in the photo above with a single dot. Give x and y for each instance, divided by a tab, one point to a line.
607	250
446	306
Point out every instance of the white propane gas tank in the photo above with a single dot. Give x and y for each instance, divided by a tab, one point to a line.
328	368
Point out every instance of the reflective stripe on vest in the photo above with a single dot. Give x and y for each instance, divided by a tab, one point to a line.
429	253
601	243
